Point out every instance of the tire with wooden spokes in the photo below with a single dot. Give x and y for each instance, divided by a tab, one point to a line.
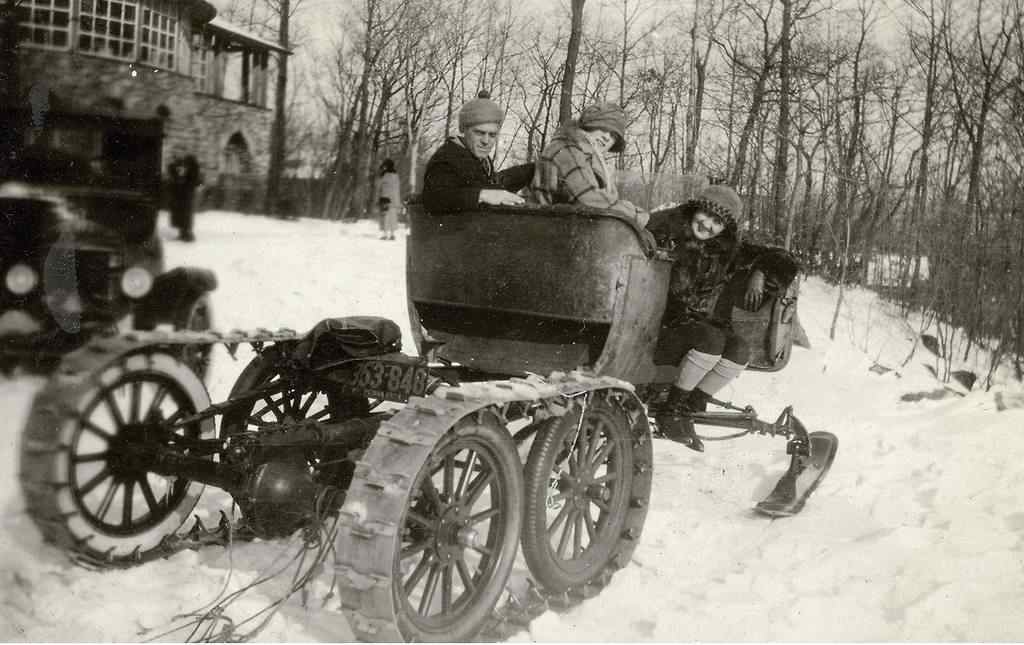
80	470
280	399
459	534
430	526
267	395
578	489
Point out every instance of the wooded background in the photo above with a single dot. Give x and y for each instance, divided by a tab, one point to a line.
883	142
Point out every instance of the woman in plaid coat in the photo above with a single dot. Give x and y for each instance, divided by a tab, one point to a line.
572	168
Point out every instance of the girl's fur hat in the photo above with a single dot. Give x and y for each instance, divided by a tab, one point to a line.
721	201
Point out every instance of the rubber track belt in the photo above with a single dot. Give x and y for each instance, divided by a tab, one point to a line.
381	488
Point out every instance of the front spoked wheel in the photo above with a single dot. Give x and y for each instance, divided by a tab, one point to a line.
578	487
459	535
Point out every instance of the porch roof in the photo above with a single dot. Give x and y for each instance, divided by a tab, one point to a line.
244	36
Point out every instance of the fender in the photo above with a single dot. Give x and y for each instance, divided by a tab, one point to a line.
192	279
171	293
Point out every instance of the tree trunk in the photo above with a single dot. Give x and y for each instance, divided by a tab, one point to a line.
275	167
842	284
353	135
930	59
778	208
572	53
753	116
698	76
791	209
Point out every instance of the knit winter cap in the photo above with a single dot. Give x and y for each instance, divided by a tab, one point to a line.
608	117
480	110
721	201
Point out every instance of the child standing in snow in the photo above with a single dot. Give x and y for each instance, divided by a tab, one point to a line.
389	199
703	235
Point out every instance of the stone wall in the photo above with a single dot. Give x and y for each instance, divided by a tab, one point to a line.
195	123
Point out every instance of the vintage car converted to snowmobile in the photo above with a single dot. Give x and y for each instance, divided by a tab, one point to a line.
523	423
79	252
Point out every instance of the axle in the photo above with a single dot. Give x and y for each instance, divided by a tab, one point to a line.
272	474
786	425
241	453
172	462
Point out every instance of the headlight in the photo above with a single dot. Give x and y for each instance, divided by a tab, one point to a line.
21	279
136	282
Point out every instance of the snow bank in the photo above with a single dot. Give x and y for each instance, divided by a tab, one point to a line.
915	535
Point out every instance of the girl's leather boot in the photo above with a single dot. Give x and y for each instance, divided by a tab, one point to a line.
674	418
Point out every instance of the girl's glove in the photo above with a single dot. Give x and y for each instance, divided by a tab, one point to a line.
755	291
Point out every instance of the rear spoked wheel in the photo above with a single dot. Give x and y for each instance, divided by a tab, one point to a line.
283	399
578	487
81	474
459	535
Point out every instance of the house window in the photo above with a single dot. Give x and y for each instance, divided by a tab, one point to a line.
107	27
45	23
159	27
202	57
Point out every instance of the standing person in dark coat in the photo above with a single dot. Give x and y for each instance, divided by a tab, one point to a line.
185	178
696	332
460	176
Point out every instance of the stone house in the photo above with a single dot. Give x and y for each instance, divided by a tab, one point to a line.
208	80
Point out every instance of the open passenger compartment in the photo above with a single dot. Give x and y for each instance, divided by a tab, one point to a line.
535	289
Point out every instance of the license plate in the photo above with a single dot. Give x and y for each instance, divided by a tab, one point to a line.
389	380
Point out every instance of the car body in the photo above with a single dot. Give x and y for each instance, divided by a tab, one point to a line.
590	291
79	250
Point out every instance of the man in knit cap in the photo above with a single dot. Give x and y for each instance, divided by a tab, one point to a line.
696	332
573	168
460	176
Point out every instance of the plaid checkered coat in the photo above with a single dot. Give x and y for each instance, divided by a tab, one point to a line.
569	171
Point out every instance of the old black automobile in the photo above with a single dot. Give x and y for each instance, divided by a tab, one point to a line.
79	249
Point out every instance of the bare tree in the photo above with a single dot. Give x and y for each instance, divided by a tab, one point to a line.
977	81
759	67
283	9
926	50
572	53
537	83
713	13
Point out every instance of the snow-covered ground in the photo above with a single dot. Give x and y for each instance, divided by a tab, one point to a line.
916	534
